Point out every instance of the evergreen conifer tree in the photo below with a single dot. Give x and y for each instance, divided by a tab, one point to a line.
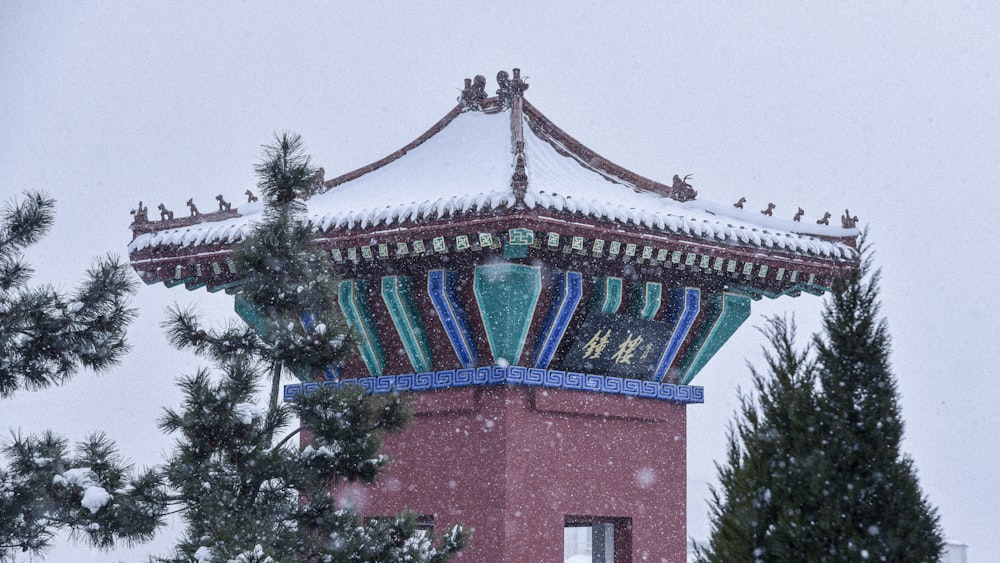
881	512
243	496
46	336
90	492
814	470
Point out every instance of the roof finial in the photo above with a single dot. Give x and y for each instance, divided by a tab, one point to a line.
509	88
473	93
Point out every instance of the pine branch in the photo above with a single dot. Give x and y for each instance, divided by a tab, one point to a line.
24	222
46	336
184	330
285	173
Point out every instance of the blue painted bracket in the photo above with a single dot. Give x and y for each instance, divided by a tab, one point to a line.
308	320
683	309
444	297
568	290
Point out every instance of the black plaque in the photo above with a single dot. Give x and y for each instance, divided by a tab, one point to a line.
619	346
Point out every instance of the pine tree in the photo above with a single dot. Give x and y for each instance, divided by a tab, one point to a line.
814	470
290	281
45	338
91	492
244	496
772	458
881	512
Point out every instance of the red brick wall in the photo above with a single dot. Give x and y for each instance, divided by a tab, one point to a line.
513	462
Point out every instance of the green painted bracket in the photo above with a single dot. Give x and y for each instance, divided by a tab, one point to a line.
397	292
725	314
354	304
174	282
507	295
228	287
250	315
607	295
649	297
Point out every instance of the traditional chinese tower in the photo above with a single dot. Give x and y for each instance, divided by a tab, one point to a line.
548	310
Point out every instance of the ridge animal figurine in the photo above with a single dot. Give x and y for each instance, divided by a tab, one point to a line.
847	221
141	214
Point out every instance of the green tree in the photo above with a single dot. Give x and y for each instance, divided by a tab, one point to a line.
882	512
814	470
89	491
46	337
243	495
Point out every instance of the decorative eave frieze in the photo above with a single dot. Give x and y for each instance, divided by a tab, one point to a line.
526	235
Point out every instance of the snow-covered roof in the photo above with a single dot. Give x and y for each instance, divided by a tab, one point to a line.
508	156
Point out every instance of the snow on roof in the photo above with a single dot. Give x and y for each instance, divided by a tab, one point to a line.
465	164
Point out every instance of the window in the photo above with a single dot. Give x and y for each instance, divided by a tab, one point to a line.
593	539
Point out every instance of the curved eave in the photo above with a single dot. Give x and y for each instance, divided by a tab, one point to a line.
447	210
209	265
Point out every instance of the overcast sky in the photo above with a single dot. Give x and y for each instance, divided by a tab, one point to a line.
889	110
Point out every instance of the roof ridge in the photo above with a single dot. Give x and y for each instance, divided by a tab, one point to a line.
519	178
434	130
548	131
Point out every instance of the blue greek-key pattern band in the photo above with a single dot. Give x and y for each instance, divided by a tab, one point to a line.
512	375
